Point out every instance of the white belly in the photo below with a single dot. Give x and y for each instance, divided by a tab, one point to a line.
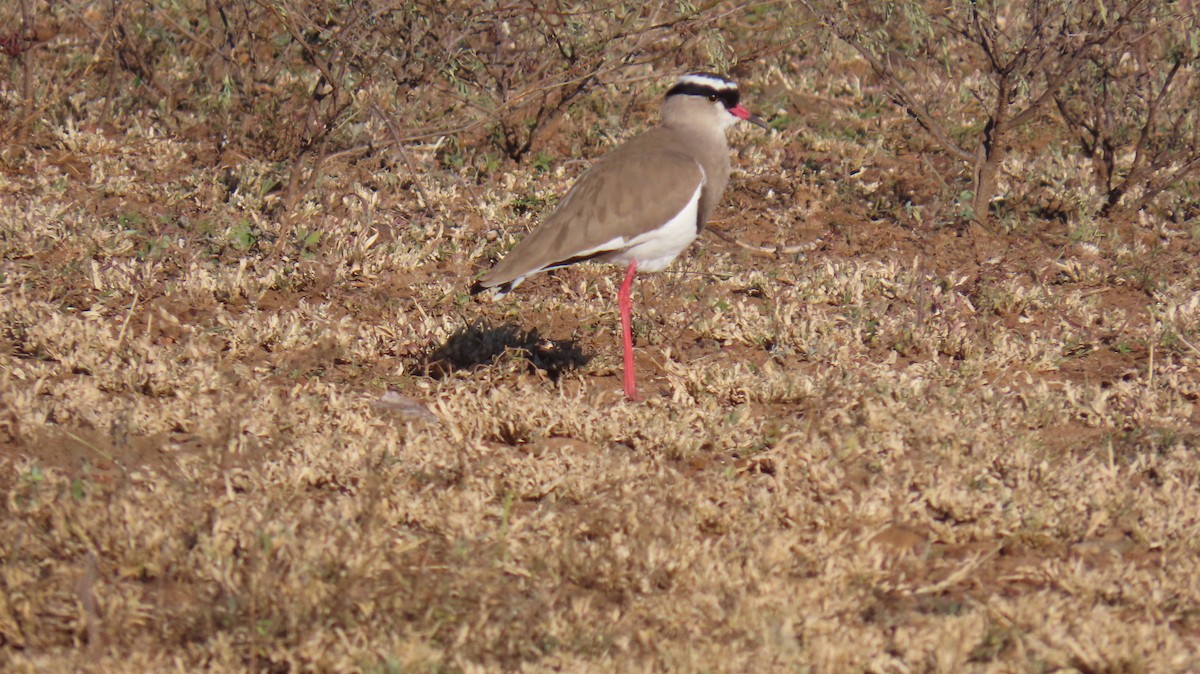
656	249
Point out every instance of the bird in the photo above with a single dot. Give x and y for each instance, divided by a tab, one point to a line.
643	203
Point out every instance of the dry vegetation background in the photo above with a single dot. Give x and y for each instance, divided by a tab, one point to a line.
923	399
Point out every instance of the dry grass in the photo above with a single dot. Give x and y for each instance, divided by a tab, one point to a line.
913	445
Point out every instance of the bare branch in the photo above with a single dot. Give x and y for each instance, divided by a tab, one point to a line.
897	88
776	251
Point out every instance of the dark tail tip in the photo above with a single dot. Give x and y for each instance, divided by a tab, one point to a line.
501	290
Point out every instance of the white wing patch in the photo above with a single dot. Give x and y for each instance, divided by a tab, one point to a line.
612	244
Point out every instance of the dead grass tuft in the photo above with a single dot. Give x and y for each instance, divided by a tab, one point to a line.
251	419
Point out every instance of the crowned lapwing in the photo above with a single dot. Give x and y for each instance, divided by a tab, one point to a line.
642	203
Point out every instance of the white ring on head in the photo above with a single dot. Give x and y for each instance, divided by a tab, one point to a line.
717	83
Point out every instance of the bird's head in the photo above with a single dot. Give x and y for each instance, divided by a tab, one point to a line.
707	98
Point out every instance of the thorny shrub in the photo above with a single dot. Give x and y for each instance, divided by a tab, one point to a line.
299	81
991	84
982	79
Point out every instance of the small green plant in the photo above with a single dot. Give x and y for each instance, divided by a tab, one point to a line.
542	162
130	220
306	239
242	236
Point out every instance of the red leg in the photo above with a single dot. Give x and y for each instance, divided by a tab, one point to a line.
625	302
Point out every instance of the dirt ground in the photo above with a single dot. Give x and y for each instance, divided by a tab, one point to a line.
876	436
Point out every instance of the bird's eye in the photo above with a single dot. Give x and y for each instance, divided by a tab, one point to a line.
713	97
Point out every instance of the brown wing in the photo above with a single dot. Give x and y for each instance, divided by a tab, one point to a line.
633	190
